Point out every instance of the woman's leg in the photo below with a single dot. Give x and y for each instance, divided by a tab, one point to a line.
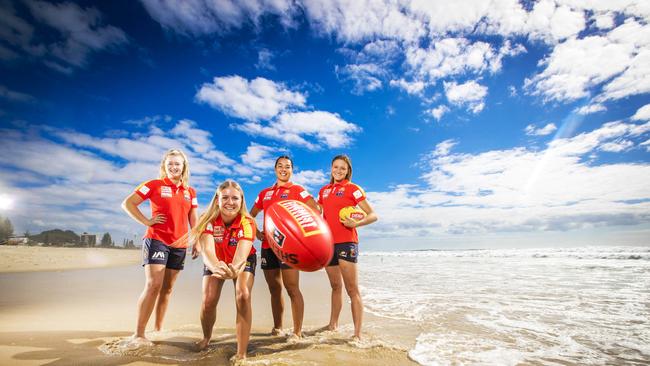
154	275
274	280
350	279
291	280
243	287
211	292
163	296
334	275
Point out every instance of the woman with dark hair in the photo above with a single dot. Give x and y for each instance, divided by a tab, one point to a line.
277	273
342	270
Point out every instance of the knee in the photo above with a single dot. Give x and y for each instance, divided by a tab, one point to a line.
210	302
243	297
352	290
165	290
275	289
336	286
293	291
153	286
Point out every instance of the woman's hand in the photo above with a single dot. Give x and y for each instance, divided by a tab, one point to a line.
227	271
259	235
158	219
348	222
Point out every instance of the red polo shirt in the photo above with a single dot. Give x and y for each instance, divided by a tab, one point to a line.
333	197
226	238
276	193
175	202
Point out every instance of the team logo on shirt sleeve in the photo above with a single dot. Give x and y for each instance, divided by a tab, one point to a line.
304	194
195	202
144	189
357	194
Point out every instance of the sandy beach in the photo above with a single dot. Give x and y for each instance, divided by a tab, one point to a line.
81	316
18	258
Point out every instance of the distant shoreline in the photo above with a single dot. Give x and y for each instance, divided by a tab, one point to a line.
19	258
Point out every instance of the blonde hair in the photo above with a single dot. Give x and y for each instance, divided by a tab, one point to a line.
185	176
347	160
214	210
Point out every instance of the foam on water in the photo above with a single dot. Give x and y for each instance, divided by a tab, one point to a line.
545	306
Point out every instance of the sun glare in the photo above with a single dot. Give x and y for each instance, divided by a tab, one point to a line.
6	202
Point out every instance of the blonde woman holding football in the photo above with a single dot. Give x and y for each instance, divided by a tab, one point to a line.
342	270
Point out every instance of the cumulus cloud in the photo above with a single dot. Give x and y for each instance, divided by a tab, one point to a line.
76	33
312	180
438	111
591	108
642	114
264	57
15	96
470	94
257	99
306	129
531	130
520	189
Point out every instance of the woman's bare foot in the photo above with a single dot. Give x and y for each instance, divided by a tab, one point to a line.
202	344
276	331
138	341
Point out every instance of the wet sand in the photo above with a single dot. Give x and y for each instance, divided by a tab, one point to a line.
83	316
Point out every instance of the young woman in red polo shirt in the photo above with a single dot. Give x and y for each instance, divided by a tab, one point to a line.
173	207
275	272
342	270
225	234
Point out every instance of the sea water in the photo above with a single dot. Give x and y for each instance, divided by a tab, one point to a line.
507	307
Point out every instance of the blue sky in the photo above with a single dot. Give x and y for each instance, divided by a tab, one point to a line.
499	124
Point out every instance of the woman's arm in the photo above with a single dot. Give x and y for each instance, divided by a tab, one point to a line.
258	234
193	218
371	216
130	206
313	204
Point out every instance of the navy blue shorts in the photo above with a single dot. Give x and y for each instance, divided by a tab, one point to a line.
251	263
344	251
271	261
156	252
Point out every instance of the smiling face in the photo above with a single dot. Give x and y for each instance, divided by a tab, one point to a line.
283	170
174	167
340	170
230	203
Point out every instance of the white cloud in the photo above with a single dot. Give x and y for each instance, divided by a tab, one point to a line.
259	157
438	111
199	17
616	146
519	190
364	76
307	129
15	96
311	180
646	144
411	87
591	108
264	57
470	94
443	148
531	130
82	32
604	20
642	114
258	99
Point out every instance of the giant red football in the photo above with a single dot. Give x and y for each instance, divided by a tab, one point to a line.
298	235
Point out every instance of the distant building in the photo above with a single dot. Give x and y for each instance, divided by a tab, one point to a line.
16	240
89	240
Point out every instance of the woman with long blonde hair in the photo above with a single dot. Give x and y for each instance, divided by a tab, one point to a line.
225	233
173	207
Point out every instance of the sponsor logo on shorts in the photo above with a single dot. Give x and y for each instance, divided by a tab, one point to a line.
263	261
353	252
343	254
158	255
166	191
